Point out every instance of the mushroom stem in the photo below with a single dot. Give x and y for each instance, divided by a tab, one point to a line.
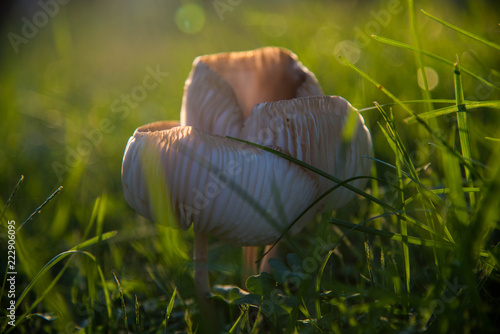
201	266
249	264
272	254
202	285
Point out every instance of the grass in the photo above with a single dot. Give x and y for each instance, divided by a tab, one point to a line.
416	251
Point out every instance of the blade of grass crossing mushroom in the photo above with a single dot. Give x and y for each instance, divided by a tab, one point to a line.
462	31
466	163
317	171
429	54
316	201
334	179
463	129
254	203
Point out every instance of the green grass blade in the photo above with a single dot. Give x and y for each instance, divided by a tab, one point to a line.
37	211
404	232
170	307
462	31
237	324
390	235
255	327
338	181
137	315
492	139
463	129
431	55
442	191
47	290
401	157
11	196
316	201
317	171
106	291
398	147
56	259
451	109
93	217
465	162
122	298
409	101
94	240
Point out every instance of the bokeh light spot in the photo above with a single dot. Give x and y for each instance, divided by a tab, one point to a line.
432	78
190	18
349	50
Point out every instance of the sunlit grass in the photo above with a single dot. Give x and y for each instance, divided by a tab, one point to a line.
417	250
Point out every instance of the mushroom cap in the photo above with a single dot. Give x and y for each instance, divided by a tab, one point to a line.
222	88
313	130
191	174
225	188
239	193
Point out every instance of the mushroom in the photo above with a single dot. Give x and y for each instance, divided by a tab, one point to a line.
232	190
222	89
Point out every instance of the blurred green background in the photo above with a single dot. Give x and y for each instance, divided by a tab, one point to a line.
66	77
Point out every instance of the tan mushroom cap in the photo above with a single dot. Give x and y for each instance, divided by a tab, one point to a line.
222	88
230	190
193	175
311	129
